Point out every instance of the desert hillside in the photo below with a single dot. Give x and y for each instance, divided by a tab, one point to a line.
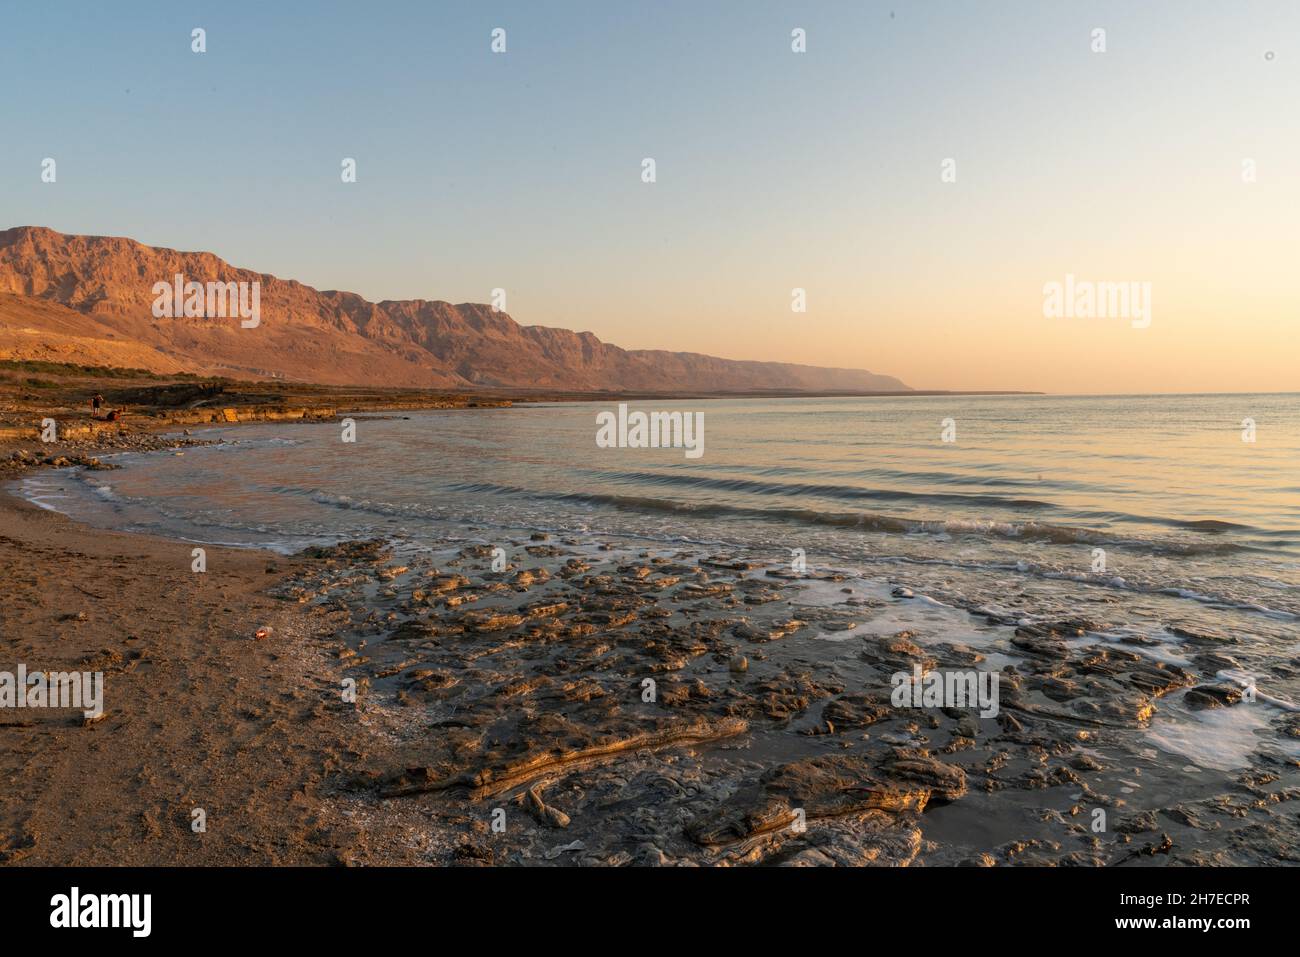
88	299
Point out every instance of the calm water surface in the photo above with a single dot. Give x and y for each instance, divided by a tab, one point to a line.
1164	485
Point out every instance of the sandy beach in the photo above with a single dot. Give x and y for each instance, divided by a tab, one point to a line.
198	714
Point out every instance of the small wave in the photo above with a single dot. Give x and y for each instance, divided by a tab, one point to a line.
1211	525
824	490
870	521
387	509
1009	528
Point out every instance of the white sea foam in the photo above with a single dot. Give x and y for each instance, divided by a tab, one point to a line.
1222	738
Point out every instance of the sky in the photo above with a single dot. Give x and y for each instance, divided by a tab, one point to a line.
775	170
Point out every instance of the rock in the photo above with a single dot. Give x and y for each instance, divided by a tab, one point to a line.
856	711
355	551
968	727
769	632
1200	635
490	621
1188	818
897	653
1290	726
842	625
738	664
1139	822
1145	641
544	609
440	584
415	629
820	787
648	855
1164	846
946	782
809	857
1211	662
1212	696
528	577
1045	646
1157	678
704	589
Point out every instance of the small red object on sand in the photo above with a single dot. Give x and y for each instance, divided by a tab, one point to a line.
262	633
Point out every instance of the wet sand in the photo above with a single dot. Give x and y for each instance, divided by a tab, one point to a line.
197	713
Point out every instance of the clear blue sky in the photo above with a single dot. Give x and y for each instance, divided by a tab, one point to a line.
775	170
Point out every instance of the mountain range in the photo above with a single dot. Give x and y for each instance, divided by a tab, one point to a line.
89	300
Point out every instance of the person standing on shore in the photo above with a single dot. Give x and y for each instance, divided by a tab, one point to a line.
95	402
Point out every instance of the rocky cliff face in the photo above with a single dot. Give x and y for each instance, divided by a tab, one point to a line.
93	295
